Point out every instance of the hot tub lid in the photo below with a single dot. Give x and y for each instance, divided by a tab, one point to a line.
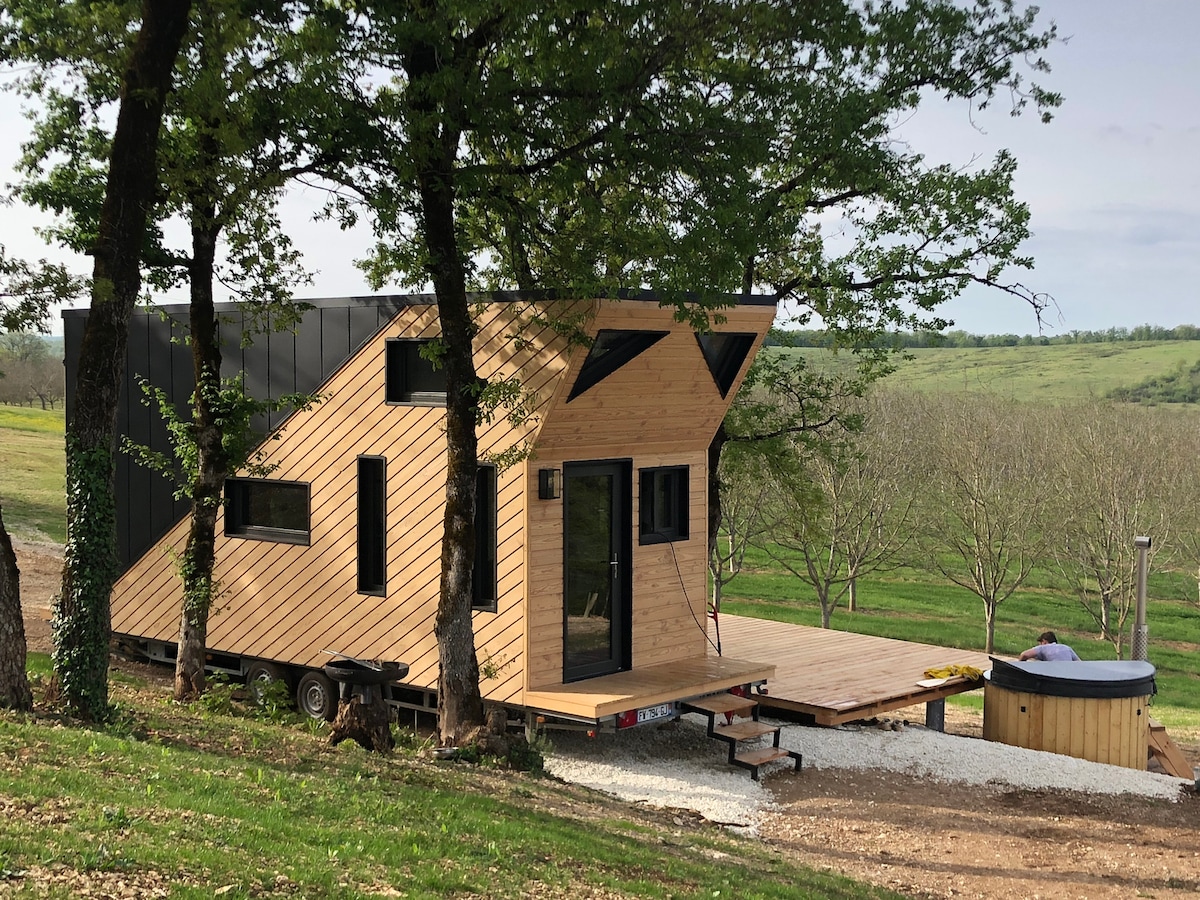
1060	678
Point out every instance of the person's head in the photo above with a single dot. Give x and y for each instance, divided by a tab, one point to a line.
1047	637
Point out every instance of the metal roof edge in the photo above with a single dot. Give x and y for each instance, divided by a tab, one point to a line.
397	301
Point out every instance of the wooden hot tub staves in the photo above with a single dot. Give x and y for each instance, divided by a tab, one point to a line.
1093	710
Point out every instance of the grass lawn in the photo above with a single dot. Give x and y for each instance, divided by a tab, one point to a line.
32	480
199	803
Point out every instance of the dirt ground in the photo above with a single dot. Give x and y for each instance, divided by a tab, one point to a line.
920	838
938	840
41	571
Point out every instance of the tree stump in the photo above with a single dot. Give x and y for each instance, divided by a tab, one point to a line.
366	718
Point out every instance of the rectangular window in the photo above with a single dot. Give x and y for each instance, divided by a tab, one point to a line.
372	525
411	378
664	505
483	587
267	510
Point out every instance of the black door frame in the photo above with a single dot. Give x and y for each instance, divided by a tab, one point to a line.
621	642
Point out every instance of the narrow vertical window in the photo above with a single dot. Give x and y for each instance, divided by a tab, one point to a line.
483	587
372	525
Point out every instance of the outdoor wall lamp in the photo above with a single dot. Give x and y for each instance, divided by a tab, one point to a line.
549	484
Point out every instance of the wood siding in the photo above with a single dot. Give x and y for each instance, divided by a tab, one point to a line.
660	409
291	603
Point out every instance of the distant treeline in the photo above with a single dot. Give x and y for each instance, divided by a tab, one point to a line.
919	339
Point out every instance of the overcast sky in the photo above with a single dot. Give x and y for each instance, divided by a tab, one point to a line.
1113	182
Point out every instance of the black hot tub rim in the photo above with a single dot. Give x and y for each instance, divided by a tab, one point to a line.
1090	679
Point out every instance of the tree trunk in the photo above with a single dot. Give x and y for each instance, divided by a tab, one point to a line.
1106	602
14	684
365	718
460	703
989	617
81	609
852	595
461	714
715	446
199	556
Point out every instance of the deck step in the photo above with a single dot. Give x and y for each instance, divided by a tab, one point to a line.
744	731
733	733
761	756
753	759
1167	752
718	704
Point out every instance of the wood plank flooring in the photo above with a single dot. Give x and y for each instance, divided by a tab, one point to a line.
607	695
838	676
832	676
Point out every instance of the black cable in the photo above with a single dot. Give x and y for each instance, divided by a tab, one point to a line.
688	600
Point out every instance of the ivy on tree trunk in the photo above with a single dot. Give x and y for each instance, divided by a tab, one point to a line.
81	610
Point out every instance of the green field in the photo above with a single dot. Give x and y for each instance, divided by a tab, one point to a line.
32	479
1055	373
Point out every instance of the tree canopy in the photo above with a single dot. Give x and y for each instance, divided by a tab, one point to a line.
700	148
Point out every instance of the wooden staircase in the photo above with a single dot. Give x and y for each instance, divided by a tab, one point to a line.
734	732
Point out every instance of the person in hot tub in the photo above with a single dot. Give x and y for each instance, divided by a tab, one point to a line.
1048	648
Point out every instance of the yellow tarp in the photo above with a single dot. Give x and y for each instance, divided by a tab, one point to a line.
969	672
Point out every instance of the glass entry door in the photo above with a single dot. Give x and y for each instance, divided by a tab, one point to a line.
596	587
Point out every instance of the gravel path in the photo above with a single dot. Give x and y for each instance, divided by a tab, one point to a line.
676	766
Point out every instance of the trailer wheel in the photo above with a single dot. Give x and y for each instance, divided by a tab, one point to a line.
260	673
317	697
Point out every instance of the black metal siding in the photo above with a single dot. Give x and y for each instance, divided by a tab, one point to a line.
274	364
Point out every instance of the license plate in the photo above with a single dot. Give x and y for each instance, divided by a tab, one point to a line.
651	713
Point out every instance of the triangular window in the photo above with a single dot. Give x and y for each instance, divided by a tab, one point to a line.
612	349
725	351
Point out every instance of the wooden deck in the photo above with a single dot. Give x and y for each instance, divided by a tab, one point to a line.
595	698
838	676
832	676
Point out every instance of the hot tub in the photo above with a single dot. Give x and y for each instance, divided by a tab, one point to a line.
1090	710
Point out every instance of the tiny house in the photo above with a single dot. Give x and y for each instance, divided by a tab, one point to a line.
591	566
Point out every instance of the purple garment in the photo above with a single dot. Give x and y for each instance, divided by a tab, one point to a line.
1050	652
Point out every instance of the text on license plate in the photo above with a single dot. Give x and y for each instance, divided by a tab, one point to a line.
650	713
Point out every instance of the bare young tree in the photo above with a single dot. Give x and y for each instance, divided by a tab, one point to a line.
1114	466
848	513
30	381
744	488
981	520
